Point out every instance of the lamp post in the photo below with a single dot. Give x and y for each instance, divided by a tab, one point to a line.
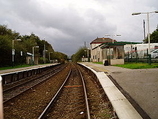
13	50
147	25
44	54
49	55
33	53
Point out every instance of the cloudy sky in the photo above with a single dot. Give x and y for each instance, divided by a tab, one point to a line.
67	24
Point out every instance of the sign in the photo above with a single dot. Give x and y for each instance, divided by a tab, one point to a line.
13	51
21	53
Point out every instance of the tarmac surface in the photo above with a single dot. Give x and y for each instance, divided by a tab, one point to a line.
140	84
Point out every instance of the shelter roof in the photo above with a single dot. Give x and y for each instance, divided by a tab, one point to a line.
115	44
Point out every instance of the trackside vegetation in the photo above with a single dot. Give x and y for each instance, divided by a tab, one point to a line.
11	42
77	57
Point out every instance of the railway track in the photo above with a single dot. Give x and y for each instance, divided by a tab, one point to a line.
17	88
64	94
71	99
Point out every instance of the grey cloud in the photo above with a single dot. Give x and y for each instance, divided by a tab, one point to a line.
67	28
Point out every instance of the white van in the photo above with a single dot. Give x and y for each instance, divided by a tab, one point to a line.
154	53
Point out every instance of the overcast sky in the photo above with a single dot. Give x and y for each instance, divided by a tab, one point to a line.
67	24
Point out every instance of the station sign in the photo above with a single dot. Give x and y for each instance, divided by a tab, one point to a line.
13	51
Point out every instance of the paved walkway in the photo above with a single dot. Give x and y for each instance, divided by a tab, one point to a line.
141	84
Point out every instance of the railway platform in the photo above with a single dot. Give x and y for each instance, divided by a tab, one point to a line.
139	86
7	71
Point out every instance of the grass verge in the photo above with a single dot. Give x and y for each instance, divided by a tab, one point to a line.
138	65
98	62
18	66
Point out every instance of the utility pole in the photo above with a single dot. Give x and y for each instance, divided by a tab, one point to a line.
148	30
144	28
44	54
85	44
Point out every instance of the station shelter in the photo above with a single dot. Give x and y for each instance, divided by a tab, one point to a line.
113	53
29	59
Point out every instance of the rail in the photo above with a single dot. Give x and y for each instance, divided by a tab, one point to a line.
55	97
43	114
85	94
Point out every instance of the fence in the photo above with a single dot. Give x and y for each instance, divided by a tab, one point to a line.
141	56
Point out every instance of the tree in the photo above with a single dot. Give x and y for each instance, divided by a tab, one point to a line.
21	48
61	57
153	37
5	51
79	54
6	37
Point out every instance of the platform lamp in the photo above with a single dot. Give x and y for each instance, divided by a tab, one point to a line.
13	50
148	26
149	54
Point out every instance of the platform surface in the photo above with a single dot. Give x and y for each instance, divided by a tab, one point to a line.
140	84
7	71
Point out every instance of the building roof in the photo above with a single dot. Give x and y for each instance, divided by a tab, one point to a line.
102	40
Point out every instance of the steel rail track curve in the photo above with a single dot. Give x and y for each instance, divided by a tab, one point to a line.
85	95
48	107
43	114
